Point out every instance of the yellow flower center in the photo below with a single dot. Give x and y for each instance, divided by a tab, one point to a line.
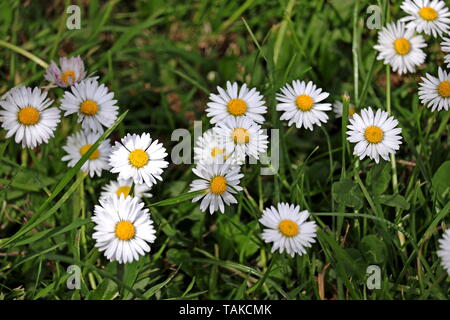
86	148
66	75
237	107
138	158
428	13
216	151
240	135
125	230
444	89
288	228
304	102
373	134
125	190
29	116
402	46
89	107
218	185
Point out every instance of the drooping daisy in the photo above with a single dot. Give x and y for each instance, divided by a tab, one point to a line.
71	71
435	92
288	229
376	134
94	105
80	143
444	252
301	104
338	108
220	182
236	103
123	228
123	186
241	137
400	48
209	149
428	16
139	158
445	47
26	114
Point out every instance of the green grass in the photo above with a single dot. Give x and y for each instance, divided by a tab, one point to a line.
162	58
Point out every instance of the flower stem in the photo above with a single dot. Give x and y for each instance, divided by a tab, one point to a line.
25	53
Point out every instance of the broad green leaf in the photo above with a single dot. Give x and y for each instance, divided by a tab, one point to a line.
393	200
441	180
373	249
378	178
347	192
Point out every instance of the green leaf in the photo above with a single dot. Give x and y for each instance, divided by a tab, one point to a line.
441	179
393	200
177	200
347	193
373	249
378	178
52	232
105	291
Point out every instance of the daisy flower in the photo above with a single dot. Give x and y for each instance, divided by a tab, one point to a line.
288	229
242	137
300	103
435	92
139	158
445	47
428	16
122	228
219	182
444	252
338	108
236	103
92	102
376	134
123	187
209	149
80	143
71	71
400	48
26	114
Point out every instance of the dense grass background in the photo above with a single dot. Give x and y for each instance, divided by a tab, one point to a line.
162	58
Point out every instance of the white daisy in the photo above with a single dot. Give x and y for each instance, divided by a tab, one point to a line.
288	229
122	228
241	137
26	114
435	92
375	134
80	143
338	108
71	71
220	182
444	252
428	16
139	158
123	186
235	103
93	103
400	48
301	104
209	149
445	47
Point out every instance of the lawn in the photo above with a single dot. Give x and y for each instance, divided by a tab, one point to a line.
378	222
